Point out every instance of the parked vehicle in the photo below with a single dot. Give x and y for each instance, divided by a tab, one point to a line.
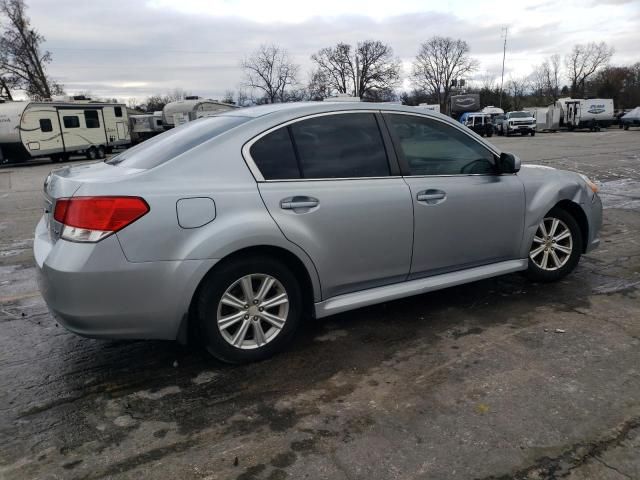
58	129
224	230
593	113
145	126
521	122
497	124
434	107
493	111
631	119
480	123
191	108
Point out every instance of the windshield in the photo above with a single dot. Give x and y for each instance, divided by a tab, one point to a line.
176	141
519	115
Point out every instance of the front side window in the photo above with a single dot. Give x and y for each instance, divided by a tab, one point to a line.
430	147
45	125
340	146
91	119
71	121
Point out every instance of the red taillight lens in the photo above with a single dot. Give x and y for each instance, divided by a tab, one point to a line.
104	214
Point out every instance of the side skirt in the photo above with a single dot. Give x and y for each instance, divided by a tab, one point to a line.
350	301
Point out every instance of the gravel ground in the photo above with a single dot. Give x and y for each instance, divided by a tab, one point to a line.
493	380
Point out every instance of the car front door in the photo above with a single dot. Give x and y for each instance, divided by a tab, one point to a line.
331	188
466	214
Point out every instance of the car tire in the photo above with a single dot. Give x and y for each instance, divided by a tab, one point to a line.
533	134
92	153
101	152
546	251
232	280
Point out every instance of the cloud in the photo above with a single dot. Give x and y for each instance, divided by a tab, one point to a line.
134	49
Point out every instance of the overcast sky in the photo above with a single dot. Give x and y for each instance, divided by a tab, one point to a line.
134	48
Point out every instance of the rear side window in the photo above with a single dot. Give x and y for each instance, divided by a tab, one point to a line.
431	147
45	125
340	146
91	119
176	141
117	111
273	154
71	121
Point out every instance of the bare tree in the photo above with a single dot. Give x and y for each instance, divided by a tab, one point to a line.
318	87
22	63
364	72
517	88
270	70
585	60
441	60
228	97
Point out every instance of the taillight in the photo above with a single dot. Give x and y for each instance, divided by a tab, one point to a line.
90	219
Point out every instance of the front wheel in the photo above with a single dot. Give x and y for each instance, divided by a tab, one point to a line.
249	309
556	247
533	133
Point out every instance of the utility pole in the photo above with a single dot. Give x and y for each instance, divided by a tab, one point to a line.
357	75
505	31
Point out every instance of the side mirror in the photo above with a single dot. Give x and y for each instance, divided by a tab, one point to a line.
508	163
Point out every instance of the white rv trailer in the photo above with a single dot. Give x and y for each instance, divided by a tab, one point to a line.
592	113
59	129
181	111
145	126
430	107
493	111
540	114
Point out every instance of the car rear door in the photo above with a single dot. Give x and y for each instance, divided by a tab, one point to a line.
328	183
466	214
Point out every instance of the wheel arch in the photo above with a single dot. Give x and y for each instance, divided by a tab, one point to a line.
188	327
576	211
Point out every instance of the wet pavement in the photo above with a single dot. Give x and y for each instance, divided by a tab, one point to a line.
497	379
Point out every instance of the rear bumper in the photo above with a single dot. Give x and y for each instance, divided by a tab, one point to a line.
94	291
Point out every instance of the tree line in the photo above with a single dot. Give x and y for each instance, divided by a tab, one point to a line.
369	70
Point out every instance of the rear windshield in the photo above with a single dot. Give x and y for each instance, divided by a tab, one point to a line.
176	141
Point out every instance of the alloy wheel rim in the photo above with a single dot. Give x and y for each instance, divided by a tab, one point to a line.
552	244
252	311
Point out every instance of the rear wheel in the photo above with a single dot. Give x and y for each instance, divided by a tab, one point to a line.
101	152
533	133
249	309
92	153
556	247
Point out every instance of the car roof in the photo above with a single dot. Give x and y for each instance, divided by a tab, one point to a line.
303	108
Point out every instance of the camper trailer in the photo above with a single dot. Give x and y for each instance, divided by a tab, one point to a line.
540	114
592	113
58	129
179	112
429	107
145	126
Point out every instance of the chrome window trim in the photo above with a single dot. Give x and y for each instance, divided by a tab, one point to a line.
256	171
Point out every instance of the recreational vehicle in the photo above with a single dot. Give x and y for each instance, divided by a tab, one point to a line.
433	107
179	112
592	113
58	129
145	126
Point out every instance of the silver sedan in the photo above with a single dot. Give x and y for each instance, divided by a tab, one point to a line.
233	229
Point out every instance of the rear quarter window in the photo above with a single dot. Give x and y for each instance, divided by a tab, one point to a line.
168	145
